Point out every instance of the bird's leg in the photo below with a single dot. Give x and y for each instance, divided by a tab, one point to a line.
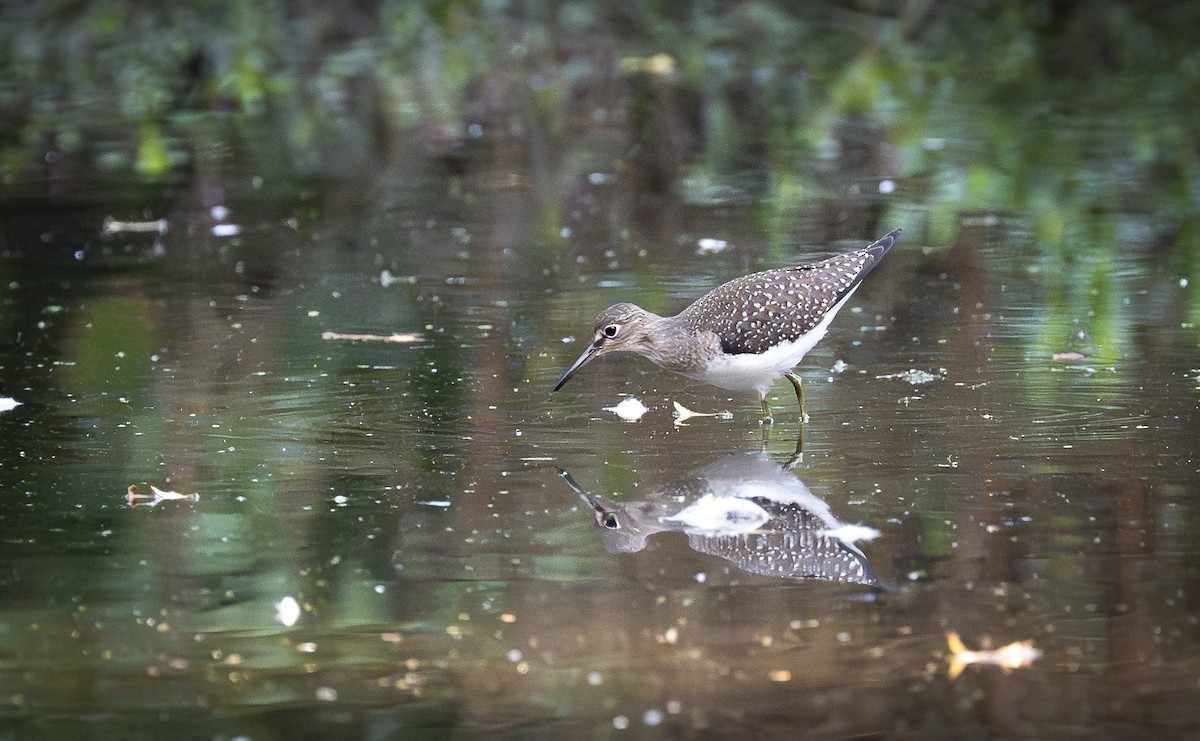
798	456
795	379
767	420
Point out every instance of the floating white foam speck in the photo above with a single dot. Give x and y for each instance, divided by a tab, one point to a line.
287	611
629	409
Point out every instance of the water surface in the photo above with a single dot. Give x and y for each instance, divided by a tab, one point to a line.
407	496
339	357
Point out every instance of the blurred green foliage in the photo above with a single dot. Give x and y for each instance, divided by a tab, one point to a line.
1046	110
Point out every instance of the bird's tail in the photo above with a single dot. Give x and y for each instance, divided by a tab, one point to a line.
880	246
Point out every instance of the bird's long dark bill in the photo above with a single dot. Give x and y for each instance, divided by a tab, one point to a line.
587	355
587	498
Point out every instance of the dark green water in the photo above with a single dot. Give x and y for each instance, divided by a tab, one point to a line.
405	495
351	370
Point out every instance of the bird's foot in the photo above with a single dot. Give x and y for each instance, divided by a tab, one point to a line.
767	420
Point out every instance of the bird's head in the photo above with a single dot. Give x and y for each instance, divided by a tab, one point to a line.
619	327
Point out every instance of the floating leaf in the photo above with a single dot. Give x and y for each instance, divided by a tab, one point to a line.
1016	655
682	414
156	496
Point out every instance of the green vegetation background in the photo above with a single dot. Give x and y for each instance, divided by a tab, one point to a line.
1064	113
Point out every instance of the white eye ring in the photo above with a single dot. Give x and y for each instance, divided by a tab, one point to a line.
611	331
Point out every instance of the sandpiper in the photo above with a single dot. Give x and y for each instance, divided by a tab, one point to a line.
743	335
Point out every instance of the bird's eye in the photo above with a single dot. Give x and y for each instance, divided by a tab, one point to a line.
611	522
611	330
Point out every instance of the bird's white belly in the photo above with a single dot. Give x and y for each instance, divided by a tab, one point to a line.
760	371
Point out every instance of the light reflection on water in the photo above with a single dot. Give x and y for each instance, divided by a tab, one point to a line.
407	497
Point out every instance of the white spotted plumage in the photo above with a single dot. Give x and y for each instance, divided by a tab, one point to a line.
743	335
760	371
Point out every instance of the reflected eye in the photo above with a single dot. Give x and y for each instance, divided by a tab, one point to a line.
611	330
610	522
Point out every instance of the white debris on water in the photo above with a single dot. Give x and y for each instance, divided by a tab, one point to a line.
710	246
1068	357
386	279
223	228
915	377
629	409
7	403
287	611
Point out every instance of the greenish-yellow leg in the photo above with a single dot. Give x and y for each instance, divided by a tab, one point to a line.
767	419
795	379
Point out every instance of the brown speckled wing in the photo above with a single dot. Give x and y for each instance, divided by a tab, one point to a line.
753	313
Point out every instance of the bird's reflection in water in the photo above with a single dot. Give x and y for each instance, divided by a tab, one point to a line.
746	509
